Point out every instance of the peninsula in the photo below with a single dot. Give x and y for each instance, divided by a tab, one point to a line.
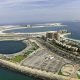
49	56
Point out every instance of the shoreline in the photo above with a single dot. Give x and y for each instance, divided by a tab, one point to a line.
33	71
37	33
13	27
32	33
64	36
40	33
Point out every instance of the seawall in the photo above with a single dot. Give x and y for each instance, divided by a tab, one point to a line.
32	71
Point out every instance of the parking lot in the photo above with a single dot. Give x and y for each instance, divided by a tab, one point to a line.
44	59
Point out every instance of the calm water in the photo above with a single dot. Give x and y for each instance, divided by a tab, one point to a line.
6	74
9	47
73	27
32	30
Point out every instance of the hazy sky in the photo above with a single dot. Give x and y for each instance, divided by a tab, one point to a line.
13	11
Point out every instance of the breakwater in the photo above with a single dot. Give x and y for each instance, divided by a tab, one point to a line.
32	71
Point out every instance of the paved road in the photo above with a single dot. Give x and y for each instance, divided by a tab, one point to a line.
60	52
45	60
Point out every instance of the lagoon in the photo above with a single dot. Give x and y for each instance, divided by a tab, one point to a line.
11	46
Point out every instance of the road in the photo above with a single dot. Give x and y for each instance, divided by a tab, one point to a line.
60	52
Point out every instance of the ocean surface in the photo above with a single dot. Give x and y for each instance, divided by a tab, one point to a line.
73	27
6	74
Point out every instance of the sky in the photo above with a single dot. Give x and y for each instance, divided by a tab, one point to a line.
29	11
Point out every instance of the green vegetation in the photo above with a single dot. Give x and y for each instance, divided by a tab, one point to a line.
60	73
19	58
27	53
78	74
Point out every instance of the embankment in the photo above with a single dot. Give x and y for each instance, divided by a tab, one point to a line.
32	71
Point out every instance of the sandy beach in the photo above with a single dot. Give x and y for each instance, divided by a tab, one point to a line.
64	36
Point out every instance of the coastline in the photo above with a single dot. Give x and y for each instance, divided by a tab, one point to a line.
64	36
38	33
6	28
33	33
10	28
32	71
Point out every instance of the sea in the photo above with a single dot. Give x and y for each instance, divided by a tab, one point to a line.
73	27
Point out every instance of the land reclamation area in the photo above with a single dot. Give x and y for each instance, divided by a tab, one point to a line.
37	59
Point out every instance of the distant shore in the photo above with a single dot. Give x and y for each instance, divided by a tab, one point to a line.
2	31
64	36
10	28
6	28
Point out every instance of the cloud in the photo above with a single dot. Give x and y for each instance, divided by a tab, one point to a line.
49	3
38	10
33	3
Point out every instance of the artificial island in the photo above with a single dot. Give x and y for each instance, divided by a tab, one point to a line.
46	55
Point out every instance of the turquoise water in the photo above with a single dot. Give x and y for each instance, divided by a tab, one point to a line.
10	47
6	74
